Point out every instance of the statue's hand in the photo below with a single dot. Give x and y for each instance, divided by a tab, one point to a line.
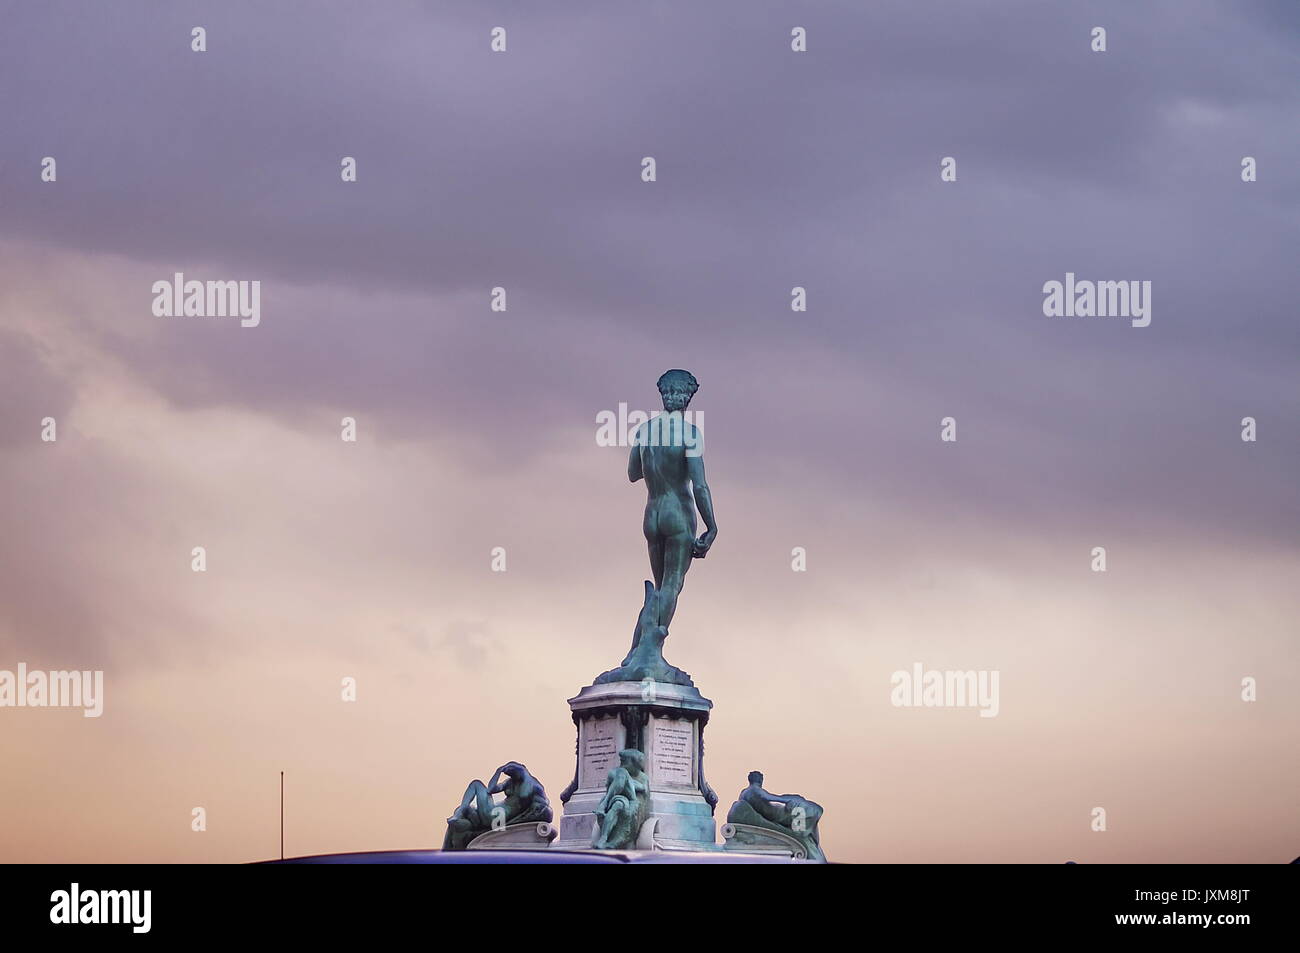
701	547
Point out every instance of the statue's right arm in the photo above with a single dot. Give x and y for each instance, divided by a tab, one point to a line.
634	463
704	503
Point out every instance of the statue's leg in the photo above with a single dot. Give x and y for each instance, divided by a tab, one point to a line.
483	803
467	799
606	822
656	546
613	817
476	803
677	559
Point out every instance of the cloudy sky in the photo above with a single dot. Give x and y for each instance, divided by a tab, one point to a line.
476	429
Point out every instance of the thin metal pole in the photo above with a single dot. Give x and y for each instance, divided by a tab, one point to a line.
282	815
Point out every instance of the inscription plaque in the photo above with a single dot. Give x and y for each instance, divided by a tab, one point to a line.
599	750
673	752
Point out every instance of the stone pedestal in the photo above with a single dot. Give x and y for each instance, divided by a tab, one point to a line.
666	723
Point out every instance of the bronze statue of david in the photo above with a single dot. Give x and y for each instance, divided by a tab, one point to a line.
668	454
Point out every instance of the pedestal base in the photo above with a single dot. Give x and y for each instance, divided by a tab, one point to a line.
666	723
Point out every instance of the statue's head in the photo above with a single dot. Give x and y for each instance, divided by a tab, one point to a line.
632	760
756	777
677	387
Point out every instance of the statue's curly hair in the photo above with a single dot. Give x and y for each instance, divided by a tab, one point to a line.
677	378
